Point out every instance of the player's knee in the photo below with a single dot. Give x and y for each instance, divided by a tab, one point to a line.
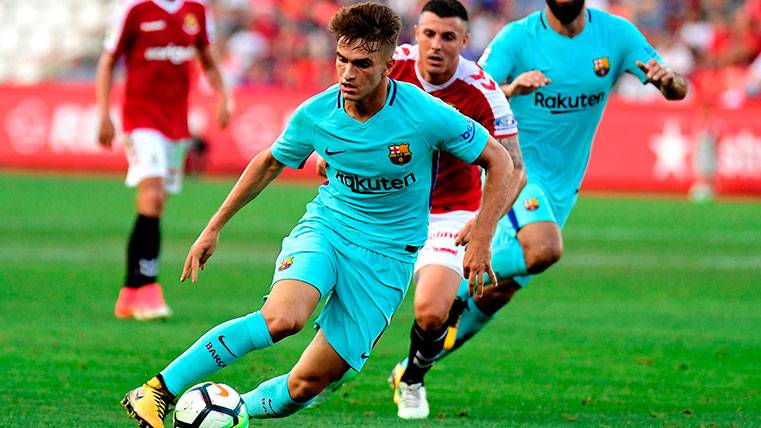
429	317
494	298
282	325
150	202
543	255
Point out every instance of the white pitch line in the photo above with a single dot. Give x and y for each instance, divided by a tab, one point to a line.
660	261
665	235
581	234
78	255
266	256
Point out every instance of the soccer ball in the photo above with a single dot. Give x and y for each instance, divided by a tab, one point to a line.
210	405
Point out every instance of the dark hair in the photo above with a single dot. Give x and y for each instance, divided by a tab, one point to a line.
375	25
446	9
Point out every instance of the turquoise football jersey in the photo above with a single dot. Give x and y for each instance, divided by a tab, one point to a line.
557	123
380	172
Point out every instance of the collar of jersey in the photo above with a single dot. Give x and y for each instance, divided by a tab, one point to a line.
390	98
430	87
169	6
546	25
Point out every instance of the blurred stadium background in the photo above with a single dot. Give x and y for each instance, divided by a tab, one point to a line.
276	53
651	318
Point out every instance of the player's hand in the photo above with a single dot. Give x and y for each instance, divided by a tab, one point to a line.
199	253
526	83
321	167
464	235
656	73
106	132
477	267
224	112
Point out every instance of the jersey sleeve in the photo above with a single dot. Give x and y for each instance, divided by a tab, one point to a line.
634	47
120	33
206	35
293	146
497	116
455	133
497	59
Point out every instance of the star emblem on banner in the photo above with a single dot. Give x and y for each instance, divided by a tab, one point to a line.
671	149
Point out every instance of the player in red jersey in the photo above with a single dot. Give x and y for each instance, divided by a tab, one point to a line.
436	66
159	39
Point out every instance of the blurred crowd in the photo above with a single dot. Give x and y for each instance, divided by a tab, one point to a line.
716	43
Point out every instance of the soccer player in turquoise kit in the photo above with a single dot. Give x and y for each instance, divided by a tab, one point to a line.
561	64
357	243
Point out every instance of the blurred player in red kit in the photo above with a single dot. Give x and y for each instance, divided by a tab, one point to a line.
159	39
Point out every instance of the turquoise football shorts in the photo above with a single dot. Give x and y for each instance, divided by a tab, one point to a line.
363	288
532	206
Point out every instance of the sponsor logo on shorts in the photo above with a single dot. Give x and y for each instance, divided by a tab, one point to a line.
601	66
399	154
285	264
531	204
445	250
364	356
442	234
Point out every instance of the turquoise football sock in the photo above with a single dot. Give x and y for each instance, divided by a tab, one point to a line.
509	261
218	348
271	399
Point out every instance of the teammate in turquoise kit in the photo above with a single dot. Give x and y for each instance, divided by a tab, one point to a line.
358	240
561	64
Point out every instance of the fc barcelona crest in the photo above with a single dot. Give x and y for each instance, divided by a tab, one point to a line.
602	66
399	154
285	264
531	204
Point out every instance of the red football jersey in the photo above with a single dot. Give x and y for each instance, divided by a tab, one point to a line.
159	40
475	94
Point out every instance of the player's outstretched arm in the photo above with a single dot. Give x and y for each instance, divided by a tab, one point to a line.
671	84
224	101
500	179
518	177
526	83
258	174
513	147
103	80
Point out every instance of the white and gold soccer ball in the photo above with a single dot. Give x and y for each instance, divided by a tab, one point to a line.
210	405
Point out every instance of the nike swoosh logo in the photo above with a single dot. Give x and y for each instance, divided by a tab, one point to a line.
329	153
222	391
138	395
364	356
222	341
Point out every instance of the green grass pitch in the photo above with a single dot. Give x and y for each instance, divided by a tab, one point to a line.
652	317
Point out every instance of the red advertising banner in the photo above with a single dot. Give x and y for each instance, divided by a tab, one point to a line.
656	147
639	147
